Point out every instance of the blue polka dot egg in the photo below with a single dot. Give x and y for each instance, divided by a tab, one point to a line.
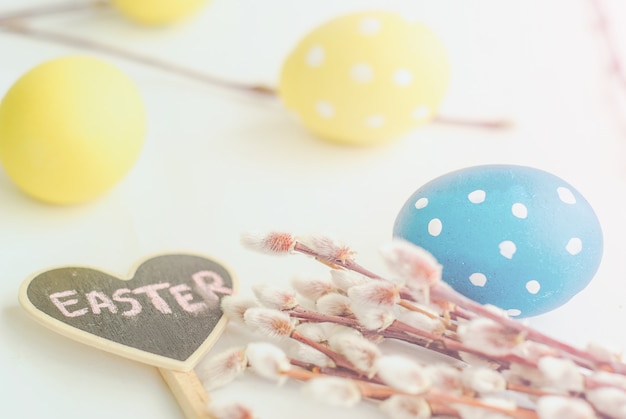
516	237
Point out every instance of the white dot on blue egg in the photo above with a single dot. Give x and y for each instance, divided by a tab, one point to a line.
533	286
507	249
434	227
574	246
421	203
566	195
478	279
513	312
519	210
477	196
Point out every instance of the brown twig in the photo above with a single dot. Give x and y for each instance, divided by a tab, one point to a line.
13	22
433	396
348	264
412	307
54	9
517	412
52	36
339	360
502	123
401	331
585	359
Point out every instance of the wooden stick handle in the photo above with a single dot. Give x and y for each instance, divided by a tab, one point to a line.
189	392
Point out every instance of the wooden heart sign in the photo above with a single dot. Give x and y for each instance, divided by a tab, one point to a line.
167	315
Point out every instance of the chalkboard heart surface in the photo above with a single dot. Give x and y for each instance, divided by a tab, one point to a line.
167	315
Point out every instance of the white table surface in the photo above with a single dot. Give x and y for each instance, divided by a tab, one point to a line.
217	163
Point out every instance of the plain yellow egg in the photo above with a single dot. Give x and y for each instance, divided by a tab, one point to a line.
70	129
365	77
157	12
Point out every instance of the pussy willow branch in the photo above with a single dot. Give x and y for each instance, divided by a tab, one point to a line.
433	396
444	293
438	408
543	368
402	331
14	22
348	264
442	400
338	359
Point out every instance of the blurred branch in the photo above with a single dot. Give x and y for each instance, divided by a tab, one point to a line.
14	22
501	123
52	10
605	31
16	26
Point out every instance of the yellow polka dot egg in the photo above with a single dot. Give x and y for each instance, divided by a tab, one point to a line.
365	77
